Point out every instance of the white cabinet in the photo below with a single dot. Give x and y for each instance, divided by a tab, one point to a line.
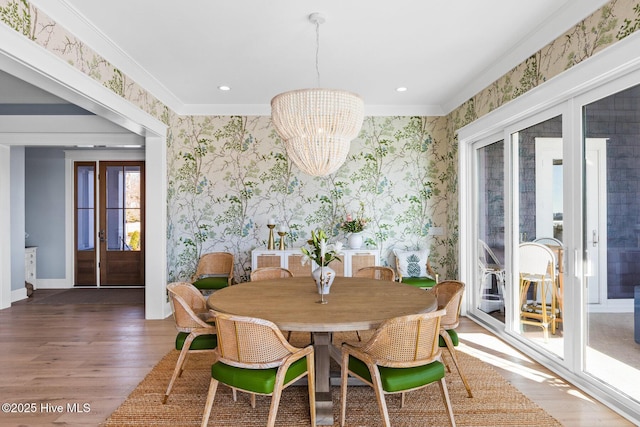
30	265
291	259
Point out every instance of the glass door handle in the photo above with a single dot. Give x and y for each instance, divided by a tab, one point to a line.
595	238
101	236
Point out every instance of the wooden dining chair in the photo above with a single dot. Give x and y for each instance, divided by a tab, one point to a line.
449	295
402	355
267	273
194	334
253	356
376	272
214	271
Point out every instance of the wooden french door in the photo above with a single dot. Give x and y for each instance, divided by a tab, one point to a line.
109	221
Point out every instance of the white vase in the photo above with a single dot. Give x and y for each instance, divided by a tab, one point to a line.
324	279
355	240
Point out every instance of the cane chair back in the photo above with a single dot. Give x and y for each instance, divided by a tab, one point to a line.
449	295
376	272
267	273
214	271
403	342
255	357
189	310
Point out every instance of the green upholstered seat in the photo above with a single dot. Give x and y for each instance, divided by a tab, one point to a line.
255	380
454	338
212	281
406	356
399	379
194	334
253	356
419	282
201	342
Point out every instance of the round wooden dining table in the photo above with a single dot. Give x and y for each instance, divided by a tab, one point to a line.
293	304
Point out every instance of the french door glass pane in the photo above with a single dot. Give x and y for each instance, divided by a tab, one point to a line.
612	239
540	265
85	208
123	208
491	279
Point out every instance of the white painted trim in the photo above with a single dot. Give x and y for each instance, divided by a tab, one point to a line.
18	294
569	15
32	63
566	17
5	227
72	139
574	82
69	223
65	15
55	283
60	124
265	110
102	155
156	301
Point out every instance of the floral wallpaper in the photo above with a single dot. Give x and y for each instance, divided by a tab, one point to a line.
228	175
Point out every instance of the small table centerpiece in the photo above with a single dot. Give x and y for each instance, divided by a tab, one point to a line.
322	253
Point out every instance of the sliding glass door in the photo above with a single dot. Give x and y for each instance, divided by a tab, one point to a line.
612	239
550	235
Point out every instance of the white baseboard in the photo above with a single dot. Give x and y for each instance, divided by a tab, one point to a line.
18	294
54	284
612	306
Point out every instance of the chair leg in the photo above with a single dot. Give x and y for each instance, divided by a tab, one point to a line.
177	371
447	402
452	351
213	386
275	403
343	388
382	404
358	334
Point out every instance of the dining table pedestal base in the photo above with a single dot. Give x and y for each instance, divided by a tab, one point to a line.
324	404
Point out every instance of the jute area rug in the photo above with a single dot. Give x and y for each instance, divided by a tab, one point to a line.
495	401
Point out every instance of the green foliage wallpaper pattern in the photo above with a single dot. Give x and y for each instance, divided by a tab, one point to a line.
227	175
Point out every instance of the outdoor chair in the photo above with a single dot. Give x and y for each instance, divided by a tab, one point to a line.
538	303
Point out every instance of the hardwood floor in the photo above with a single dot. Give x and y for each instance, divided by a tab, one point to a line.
60	355
66	355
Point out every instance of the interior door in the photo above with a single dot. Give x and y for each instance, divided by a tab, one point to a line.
121	223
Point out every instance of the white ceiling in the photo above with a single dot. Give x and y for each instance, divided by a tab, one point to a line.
444	52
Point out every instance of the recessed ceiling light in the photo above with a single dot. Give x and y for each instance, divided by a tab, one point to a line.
401	89
224	88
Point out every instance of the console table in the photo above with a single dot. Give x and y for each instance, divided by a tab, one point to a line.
291	259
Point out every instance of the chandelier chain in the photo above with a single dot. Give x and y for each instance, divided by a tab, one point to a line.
318	52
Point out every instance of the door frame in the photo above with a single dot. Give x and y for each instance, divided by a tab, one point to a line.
33	64
551	148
